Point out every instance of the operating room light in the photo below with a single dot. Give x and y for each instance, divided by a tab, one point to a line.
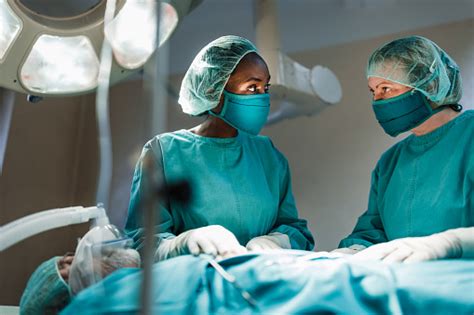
58	64
132	36
132	33
10	26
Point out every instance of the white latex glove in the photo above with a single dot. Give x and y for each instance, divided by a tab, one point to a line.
351	250
214	240
271	241
453	243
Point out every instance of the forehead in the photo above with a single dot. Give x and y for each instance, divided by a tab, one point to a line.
374	81
251	65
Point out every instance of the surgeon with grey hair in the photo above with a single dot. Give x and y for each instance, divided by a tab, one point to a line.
421	202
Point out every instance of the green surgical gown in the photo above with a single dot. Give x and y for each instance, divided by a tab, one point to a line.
241	183
420	186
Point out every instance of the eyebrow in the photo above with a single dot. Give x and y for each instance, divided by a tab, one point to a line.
383	82
257	79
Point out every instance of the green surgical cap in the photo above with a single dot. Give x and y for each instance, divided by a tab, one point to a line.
419	63
46	291
209	72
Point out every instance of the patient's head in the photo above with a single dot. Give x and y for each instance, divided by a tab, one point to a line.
101	251
87	272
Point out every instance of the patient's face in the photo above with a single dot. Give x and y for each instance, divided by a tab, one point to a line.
117	259
64	265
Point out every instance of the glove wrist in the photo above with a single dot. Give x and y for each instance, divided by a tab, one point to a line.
280	239
462	240
172	247
274	240
451	245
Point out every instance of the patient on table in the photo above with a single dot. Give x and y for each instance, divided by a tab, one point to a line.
280	281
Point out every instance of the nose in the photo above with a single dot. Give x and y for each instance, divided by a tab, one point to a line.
377	96
263	90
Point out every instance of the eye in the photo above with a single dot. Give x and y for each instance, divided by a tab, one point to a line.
267	88
252	88
386	89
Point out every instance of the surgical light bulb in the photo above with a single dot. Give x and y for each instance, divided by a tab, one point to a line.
132	33
58	64
10	27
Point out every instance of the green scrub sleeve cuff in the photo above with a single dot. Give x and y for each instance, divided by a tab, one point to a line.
348	242
300	237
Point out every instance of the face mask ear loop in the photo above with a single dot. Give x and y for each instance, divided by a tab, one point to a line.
428	78
224	106
428	102
222	113
221	116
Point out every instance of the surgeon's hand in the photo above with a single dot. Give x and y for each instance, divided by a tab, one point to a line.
268	242
413	249
214	240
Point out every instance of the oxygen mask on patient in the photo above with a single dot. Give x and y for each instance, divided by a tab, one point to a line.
100	252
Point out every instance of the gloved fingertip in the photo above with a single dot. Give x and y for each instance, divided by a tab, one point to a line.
243	250
193	249
211	251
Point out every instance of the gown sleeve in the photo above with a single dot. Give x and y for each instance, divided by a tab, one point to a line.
287	219
164	221
369	228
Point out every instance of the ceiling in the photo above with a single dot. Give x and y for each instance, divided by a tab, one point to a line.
304	24
311	24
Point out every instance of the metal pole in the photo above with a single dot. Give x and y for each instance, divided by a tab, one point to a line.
154	78
7	98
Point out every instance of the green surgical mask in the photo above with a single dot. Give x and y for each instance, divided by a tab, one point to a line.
244	112
404	112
